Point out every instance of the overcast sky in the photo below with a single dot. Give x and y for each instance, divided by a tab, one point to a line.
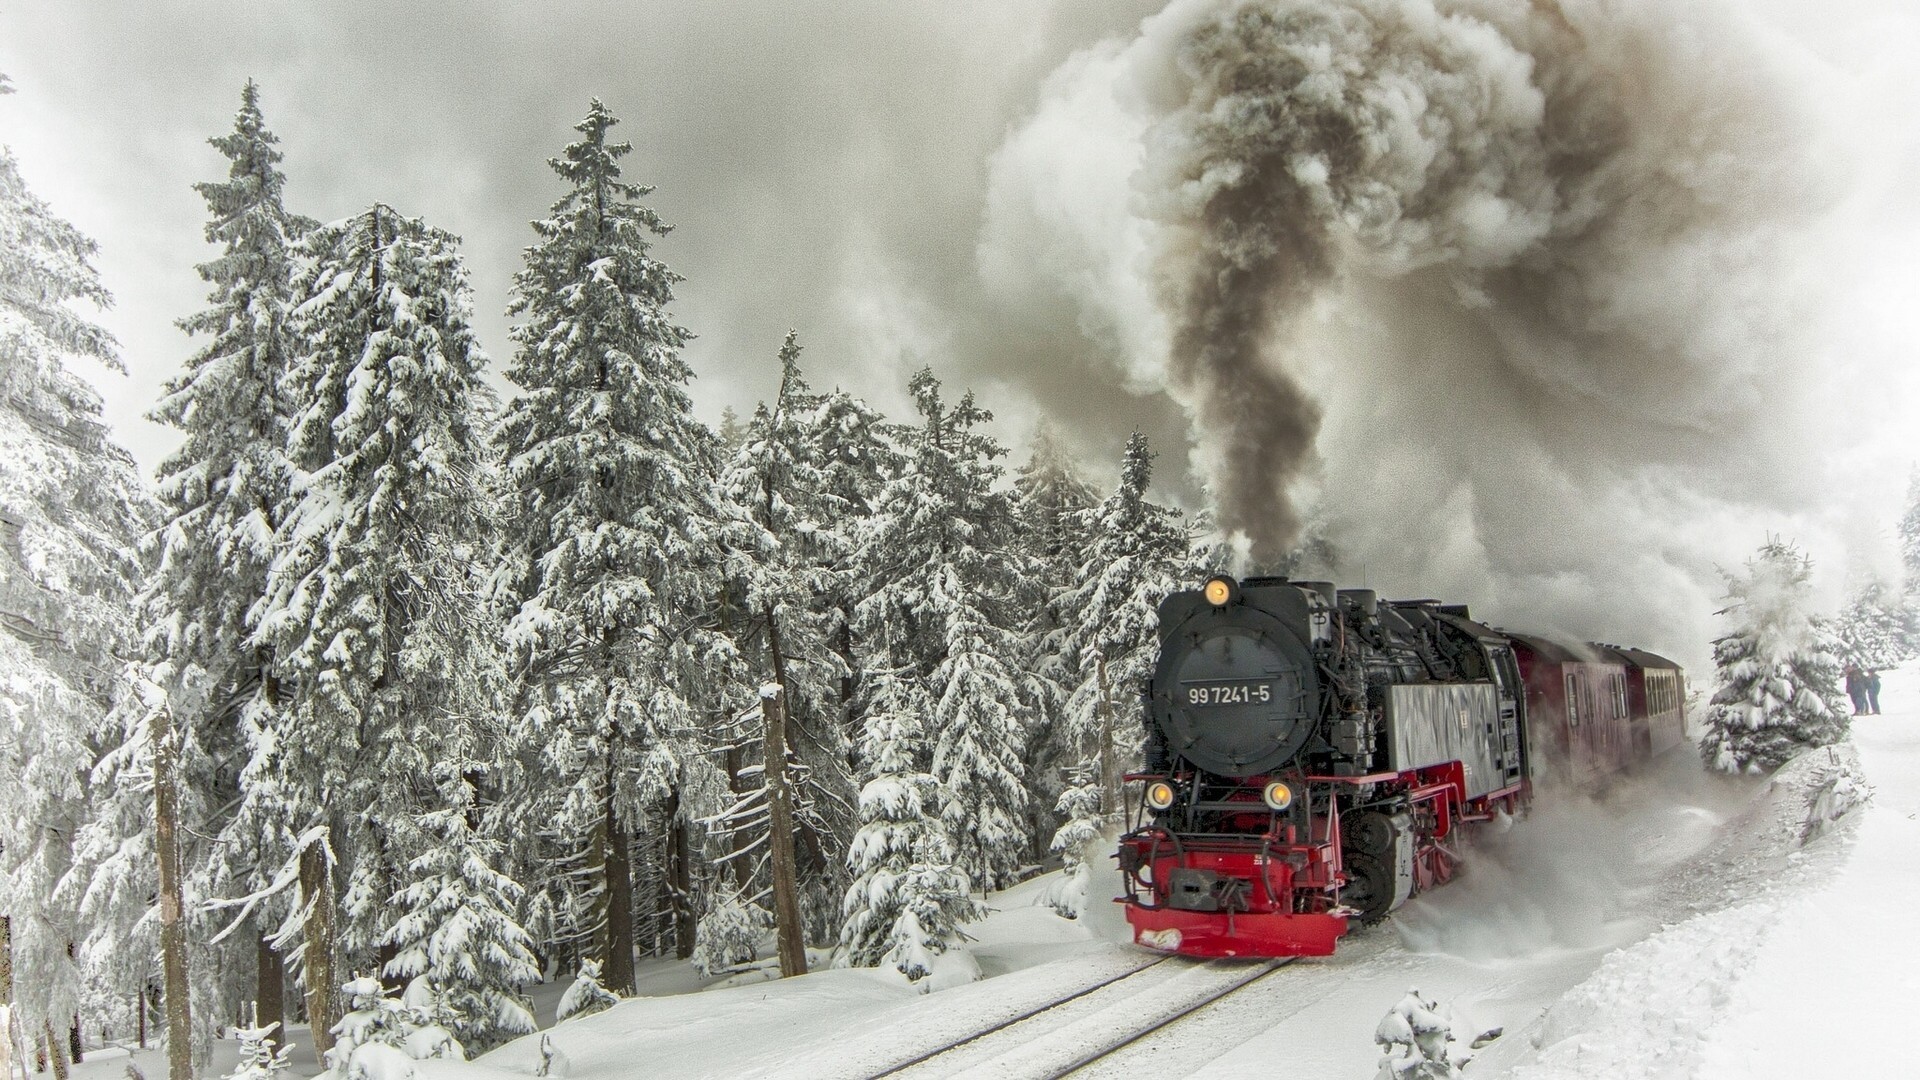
961	185
823	165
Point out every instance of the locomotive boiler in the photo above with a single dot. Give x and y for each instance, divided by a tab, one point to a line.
1313	753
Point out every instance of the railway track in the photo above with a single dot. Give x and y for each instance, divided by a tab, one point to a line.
1075	1031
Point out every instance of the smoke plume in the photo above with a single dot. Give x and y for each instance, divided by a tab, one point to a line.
1526	299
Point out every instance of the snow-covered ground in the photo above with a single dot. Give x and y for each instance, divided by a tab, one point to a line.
1674	927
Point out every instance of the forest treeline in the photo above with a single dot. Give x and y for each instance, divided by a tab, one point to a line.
455	692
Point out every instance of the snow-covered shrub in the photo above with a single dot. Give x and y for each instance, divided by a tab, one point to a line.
1838	787
1080	805
1778	671
553	1061
586	995
1417	1042
729	936
261	1057
381	1037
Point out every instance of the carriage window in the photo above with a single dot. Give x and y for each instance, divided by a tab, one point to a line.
1573	701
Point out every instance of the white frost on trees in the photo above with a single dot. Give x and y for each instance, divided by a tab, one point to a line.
945	576
1778	670
615	559
72	508
1137	552
730	935
908	899
457	933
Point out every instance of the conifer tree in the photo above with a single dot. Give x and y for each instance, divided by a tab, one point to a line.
457	932
616	560
1051	497
1049	504
945	579
219	495
1137	553
1778	670
794	477
72	509
1875	628
908	899
371	600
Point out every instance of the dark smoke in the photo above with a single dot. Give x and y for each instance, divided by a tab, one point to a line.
1537	303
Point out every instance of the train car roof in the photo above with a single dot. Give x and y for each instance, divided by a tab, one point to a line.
1643	658
1592	652
1564	652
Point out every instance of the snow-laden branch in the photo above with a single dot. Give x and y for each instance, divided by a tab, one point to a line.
288	874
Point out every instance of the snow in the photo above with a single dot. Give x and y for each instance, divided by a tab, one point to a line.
1674	927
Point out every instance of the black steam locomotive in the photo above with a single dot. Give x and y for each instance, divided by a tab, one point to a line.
1311	753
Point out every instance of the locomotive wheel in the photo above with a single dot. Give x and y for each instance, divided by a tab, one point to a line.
1369	886
1369	831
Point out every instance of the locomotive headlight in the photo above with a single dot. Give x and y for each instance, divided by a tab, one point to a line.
1159	794
1278	795
1218	591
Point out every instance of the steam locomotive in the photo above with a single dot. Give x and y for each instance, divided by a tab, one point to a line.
1313	754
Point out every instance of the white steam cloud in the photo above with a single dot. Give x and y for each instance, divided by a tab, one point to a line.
1524	302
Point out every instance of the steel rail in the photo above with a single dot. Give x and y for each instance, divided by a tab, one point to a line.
1022	1018
1265	970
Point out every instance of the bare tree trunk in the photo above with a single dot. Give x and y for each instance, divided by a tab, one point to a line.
140	1016
316	888
173	928
74	1050
791	933
618	861
6	998
1110	793
679	879
270	986
57	1054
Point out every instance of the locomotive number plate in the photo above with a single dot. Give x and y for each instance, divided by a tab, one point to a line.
1231	693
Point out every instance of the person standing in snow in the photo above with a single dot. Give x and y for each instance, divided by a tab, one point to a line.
1857	688
1871	683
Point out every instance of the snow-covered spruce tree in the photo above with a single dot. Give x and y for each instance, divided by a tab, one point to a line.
1109	614
372	604
218	493
262	1053
908	899
457	932
615	560
379	1037
798	475
944	576
1049	500
1778	670
1876	627
72	509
